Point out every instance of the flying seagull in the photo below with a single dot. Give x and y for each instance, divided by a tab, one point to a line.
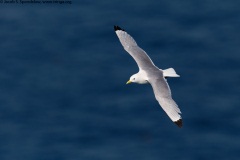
149	73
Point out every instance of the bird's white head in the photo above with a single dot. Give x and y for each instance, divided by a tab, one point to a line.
137	78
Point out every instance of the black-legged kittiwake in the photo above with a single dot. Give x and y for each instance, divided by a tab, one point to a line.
149	73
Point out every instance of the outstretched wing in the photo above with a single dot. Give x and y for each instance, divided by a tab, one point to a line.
163	95
129	44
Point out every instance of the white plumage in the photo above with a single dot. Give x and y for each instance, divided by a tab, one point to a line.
149	73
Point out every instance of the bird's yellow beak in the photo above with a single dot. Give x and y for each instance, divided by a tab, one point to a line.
129	82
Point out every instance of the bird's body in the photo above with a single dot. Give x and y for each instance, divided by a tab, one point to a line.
149	73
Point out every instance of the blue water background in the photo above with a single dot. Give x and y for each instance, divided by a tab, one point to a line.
63	73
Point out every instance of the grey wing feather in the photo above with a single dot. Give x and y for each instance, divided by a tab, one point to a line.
130	45
163	95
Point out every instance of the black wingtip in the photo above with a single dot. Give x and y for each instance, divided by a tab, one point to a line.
179	123
116	28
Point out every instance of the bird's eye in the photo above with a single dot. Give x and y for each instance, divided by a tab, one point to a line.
133	78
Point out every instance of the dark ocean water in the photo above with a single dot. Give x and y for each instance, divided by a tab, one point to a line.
63	73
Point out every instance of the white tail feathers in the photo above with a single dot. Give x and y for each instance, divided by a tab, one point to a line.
170	72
